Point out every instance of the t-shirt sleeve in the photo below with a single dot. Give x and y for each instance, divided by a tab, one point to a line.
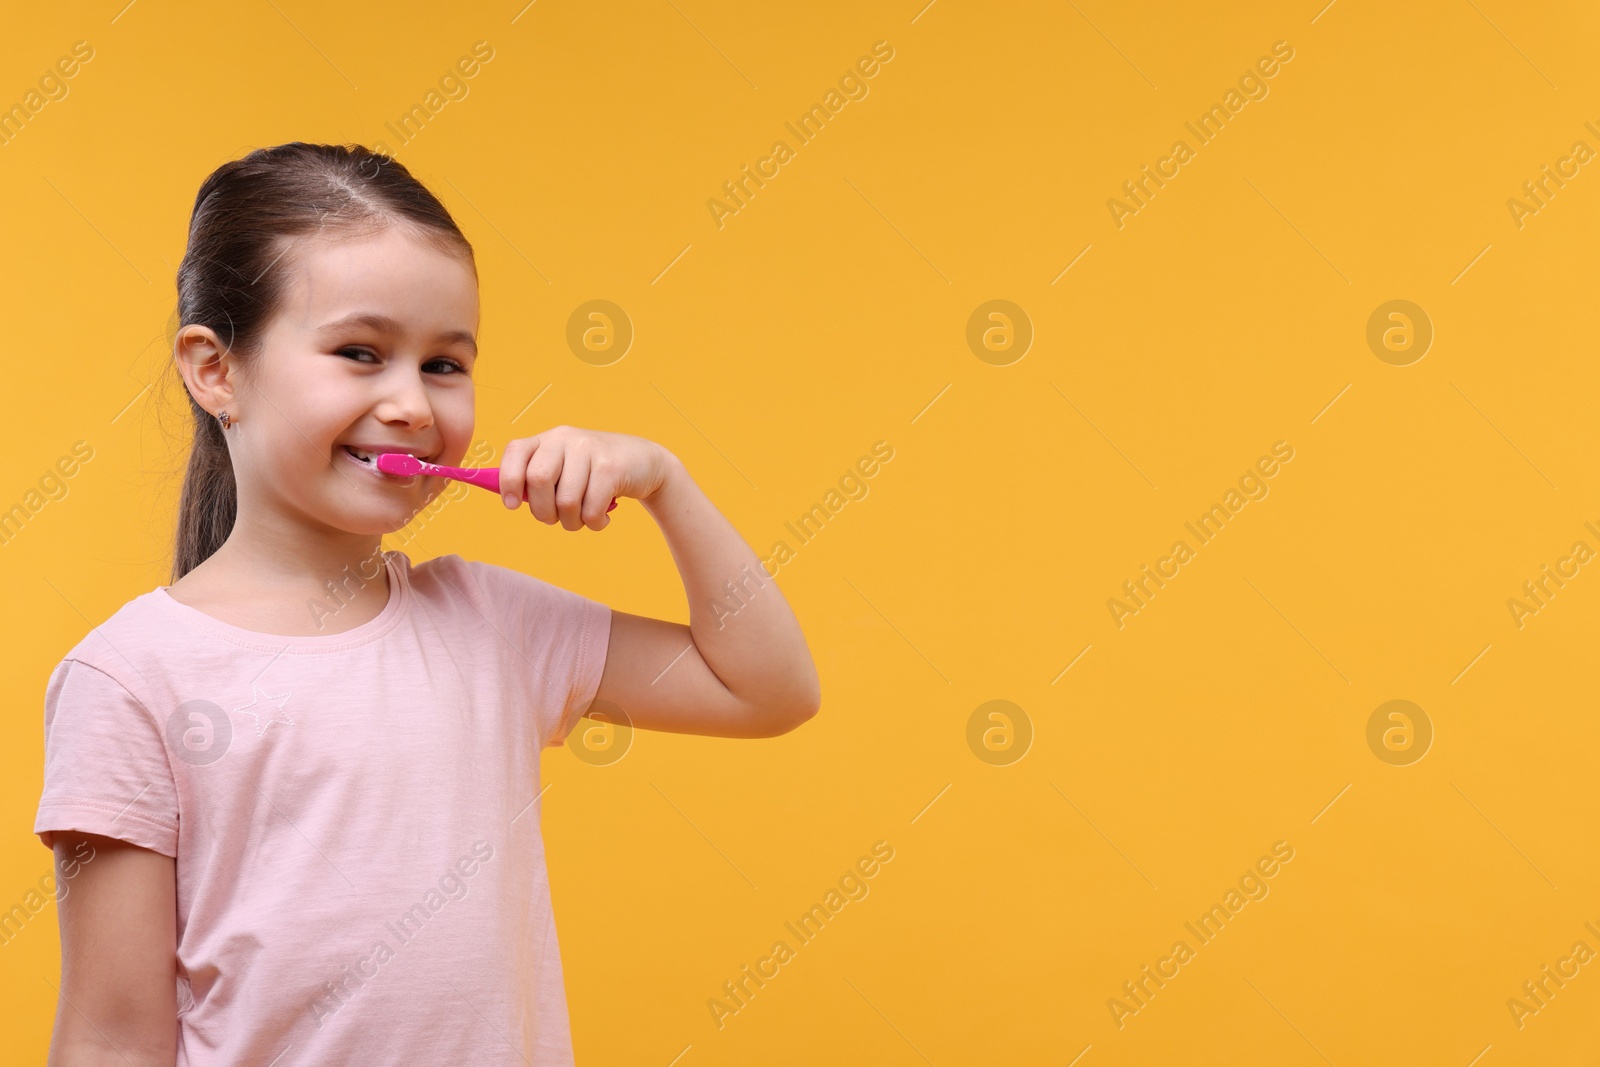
559	639
105	763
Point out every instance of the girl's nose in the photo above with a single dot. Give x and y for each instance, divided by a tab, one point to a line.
407	403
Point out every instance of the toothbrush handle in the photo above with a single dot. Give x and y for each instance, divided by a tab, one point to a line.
484	477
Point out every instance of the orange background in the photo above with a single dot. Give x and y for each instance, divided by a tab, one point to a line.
830	312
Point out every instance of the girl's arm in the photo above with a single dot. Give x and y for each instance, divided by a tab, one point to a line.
119	923
741	667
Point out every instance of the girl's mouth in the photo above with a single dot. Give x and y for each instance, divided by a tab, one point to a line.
368	462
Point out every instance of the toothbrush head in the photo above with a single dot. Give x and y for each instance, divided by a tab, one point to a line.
398	463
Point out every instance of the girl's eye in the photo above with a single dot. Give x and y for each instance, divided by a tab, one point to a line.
455	367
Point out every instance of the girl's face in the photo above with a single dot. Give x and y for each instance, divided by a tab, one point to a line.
372	349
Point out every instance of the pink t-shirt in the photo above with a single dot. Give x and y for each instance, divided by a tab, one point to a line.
360	870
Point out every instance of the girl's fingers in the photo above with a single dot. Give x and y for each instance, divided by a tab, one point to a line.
597	498
514	469
570	492
560	476
543	470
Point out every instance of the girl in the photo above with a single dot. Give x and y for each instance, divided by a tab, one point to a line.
304	770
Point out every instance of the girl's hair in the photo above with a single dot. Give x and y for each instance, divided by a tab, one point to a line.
247	219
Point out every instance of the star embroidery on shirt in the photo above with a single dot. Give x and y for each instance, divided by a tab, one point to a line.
279	717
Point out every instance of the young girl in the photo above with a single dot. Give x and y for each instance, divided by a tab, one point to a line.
305	771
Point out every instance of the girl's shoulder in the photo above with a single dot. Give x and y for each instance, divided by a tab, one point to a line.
139	622
453	576
505	598
123	647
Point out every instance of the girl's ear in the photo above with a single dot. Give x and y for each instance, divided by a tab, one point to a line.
206	367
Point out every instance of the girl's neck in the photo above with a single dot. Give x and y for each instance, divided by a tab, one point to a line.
274	561
287	585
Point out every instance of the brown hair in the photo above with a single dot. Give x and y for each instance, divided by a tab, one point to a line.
247	217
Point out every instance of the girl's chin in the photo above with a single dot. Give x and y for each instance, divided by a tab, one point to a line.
381	517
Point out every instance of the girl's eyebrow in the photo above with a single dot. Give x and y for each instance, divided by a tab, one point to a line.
386	325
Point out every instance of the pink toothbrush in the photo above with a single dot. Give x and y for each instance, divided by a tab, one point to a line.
398	463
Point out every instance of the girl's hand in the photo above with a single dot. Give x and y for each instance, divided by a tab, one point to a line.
570	475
